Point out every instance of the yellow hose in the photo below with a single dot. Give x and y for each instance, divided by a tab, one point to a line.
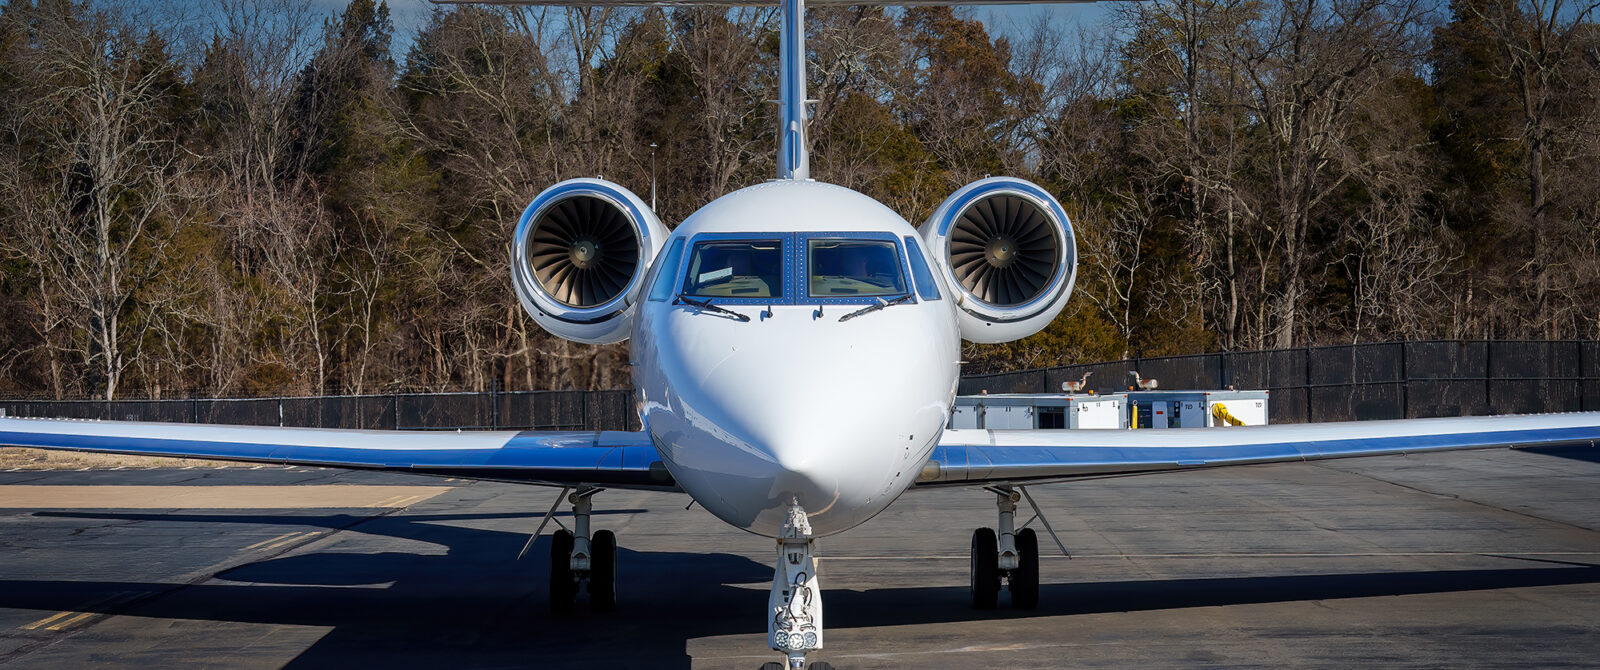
1220	415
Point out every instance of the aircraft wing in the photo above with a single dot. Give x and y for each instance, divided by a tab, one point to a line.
985	457
605	458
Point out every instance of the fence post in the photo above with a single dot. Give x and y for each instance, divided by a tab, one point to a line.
280	412
1583	379
394	401
494	403
1306	351
1405	382
1488	366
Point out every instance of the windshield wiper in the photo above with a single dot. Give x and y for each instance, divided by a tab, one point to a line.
706	305
873	308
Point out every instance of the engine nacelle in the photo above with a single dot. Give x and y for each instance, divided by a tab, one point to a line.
1006	247
579	258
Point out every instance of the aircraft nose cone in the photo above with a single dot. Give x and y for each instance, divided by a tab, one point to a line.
834	433
813	465
797	407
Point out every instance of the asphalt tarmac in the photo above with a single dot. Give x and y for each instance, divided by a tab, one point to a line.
1481	559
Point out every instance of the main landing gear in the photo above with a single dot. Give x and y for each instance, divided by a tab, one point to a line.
1012	556
577	558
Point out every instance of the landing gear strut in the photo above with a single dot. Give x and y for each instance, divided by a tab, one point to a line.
795	627
1012	556
577	557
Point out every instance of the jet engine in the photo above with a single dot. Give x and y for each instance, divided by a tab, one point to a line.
1006	247
579	258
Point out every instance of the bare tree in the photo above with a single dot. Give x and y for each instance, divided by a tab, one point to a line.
119	185
1309	64
1539	42
723	53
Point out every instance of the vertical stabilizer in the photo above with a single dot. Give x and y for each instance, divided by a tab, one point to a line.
794	155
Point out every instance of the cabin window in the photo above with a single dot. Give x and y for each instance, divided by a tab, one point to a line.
736	269
853	268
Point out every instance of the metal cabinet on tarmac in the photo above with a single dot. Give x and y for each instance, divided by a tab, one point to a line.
1196	409
1134	409
1024	411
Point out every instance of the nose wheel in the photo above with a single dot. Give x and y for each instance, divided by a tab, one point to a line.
577	558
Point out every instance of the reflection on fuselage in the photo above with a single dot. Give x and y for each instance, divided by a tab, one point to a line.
795	405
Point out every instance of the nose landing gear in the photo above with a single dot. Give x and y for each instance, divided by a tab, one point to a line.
795	627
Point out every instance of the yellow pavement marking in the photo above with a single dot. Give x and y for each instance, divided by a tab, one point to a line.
63	620
71	621
401	501
27	496
266	542
290	539
46	620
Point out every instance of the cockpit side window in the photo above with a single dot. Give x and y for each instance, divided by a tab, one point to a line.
666	272
926	286
736	269
851	268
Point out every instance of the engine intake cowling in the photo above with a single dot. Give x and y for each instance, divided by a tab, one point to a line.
579	257
1006	247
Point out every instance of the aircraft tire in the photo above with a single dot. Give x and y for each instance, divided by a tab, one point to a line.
563	588
603	571
1025	580
820	665
985	569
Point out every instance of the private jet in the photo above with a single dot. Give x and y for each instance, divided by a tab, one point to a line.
795	348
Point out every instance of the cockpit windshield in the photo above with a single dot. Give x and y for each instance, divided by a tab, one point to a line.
848	268
736	269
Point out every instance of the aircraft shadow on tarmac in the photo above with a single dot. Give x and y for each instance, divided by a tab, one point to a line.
472	606
1589	454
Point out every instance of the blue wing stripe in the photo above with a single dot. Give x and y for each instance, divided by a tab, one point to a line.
1087	453
605	458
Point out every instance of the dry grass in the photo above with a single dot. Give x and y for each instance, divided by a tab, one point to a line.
47	459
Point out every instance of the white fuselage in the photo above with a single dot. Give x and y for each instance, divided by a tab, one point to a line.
795	405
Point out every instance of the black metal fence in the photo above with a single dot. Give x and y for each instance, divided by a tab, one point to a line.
503	410
1390	380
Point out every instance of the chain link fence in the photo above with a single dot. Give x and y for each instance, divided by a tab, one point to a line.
1391	380
498	410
